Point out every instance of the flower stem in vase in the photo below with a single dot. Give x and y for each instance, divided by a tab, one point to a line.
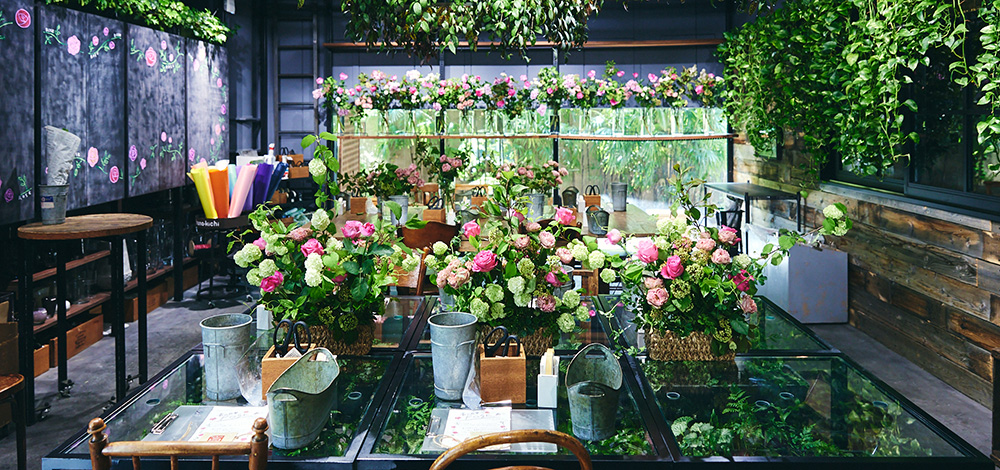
673	121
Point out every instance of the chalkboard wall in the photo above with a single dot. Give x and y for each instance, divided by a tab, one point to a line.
81	91
17	108
156	113
207	102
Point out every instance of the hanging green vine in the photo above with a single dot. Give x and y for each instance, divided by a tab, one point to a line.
981	74
162	14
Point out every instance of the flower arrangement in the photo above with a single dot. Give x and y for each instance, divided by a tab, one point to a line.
705	88
537	179
684	281
445	168
670	87
387	179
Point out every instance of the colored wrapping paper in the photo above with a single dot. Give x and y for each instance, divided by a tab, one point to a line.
279	171
243	186
232	179
204	188
260	182
220	189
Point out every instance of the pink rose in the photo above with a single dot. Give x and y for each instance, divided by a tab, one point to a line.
652	282
484	261
522	242
114	174
471	229
368	229
533	226
564	255
260	243
446	167
274	281
551	278
699	89
22	18
721	257
614	236
705	244
95	41
565	216
673	268
142	163
343	76
92	157
73	45
150	57
351	229
727	235
458	277
747	304
657	297
647	251
339	278
742	280
312	246
546	303
547	239
133	153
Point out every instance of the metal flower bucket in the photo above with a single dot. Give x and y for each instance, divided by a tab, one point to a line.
453	340
300	399
224	338
536	206
593	383
597	220
619	196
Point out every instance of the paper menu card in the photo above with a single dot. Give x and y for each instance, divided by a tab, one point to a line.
229	424
465	424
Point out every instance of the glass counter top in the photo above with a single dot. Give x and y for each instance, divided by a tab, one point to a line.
789	407
585	332
357	387
413	421
779	330
392	328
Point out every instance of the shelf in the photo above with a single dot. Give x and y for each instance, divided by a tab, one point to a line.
548	44
597	138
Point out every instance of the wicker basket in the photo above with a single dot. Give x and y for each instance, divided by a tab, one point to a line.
667	346
322	336
534	344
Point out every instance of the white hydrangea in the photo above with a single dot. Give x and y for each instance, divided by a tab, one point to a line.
494	293
314	262
742	260
320	220
411	263
522	299
254	277
497	310
267	268
334	244
582	313
317	168
596	260
565	323
608	276
248	254
832	212
313	278
580	252
516	285
440	248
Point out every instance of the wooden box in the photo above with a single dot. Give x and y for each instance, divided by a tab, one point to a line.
78	338
477	201
591	200
502	378
358	205
43	356
272	366
155	297
435	215
191	277
297	167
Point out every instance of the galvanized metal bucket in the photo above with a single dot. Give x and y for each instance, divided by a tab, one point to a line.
619	196
536	206
593	383
404	204
224	338
53	203
453	341
300	399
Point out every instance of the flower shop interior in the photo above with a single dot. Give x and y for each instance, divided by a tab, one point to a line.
335	234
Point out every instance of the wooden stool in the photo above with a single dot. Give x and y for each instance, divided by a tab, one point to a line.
12	391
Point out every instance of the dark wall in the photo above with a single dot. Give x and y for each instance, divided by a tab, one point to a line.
17	133
207	103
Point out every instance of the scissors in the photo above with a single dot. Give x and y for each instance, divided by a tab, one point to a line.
501	347
593	189
292	338
435	203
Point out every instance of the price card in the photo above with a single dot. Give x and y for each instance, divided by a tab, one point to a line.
465	424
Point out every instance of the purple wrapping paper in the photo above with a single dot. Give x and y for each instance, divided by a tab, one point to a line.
260	183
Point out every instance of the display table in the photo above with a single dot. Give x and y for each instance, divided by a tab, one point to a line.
813	406
110	226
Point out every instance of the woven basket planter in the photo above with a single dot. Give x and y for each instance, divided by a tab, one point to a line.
322	336
667	346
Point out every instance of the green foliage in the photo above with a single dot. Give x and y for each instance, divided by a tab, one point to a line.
162	15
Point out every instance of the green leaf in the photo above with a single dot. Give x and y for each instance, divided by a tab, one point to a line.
360	289
415	223
307	141
327	136
395	208
351	267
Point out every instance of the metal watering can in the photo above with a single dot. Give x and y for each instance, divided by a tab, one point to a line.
592	385
300	399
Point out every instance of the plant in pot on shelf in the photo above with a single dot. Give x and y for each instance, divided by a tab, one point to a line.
539	180
614	95
518	280
444	169
705	88
583	94
693	299
394	184
308	273
549	91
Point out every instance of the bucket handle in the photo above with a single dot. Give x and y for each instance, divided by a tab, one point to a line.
605	352
288	394
224	347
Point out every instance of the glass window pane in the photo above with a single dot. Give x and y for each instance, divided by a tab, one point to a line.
939	157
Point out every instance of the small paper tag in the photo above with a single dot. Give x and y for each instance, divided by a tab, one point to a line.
48	202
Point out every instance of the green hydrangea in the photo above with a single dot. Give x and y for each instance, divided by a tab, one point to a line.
526	267
320	220
327	317
267	267
440	248
254	277
334	244
571	299
498	311
313	277
522	299
832	212
680	288
742	260
566	323
695	272
411	263
553	260
671	227
480	309
582	313
596	260
725	332
516	285
348	322
608	276
317	168
580	252
248	254
841	228
494	293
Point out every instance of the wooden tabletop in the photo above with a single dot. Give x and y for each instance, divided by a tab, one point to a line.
10	384
86	226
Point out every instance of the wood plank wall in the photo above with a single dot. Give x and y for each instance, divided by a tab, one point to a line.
924	282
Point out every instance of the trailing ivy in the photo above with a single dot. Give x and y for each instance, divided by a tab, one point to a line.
981	74
162	14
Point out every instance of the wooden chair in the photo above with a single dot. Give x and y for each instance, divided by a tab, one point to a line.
432	232
12	391
101	451
514	437
413	279
425	192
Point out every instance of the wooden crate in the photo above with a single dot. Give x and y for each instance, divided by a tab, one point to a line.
271	367
155	297
503	378
42	359
191	277
79	338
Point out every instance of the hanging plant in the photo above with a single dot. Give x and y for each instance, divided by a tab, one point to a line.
162	14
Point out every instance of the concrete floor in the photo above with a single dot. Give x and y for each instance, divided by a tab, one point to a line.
173	330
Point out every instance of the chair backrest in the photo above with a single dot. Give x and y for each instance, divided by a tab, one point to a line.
425	192
512	437
730	218
101	451
417	238
413	279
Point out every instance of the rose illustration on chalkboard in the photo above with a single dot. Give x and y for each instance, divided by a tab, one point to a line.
73	45
8	195
191	154
114	174
132	153
92	157
106	31
163	136
218	129
150	57
142	163
223	109
218	82
111	45
163	45
23	19
196	65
